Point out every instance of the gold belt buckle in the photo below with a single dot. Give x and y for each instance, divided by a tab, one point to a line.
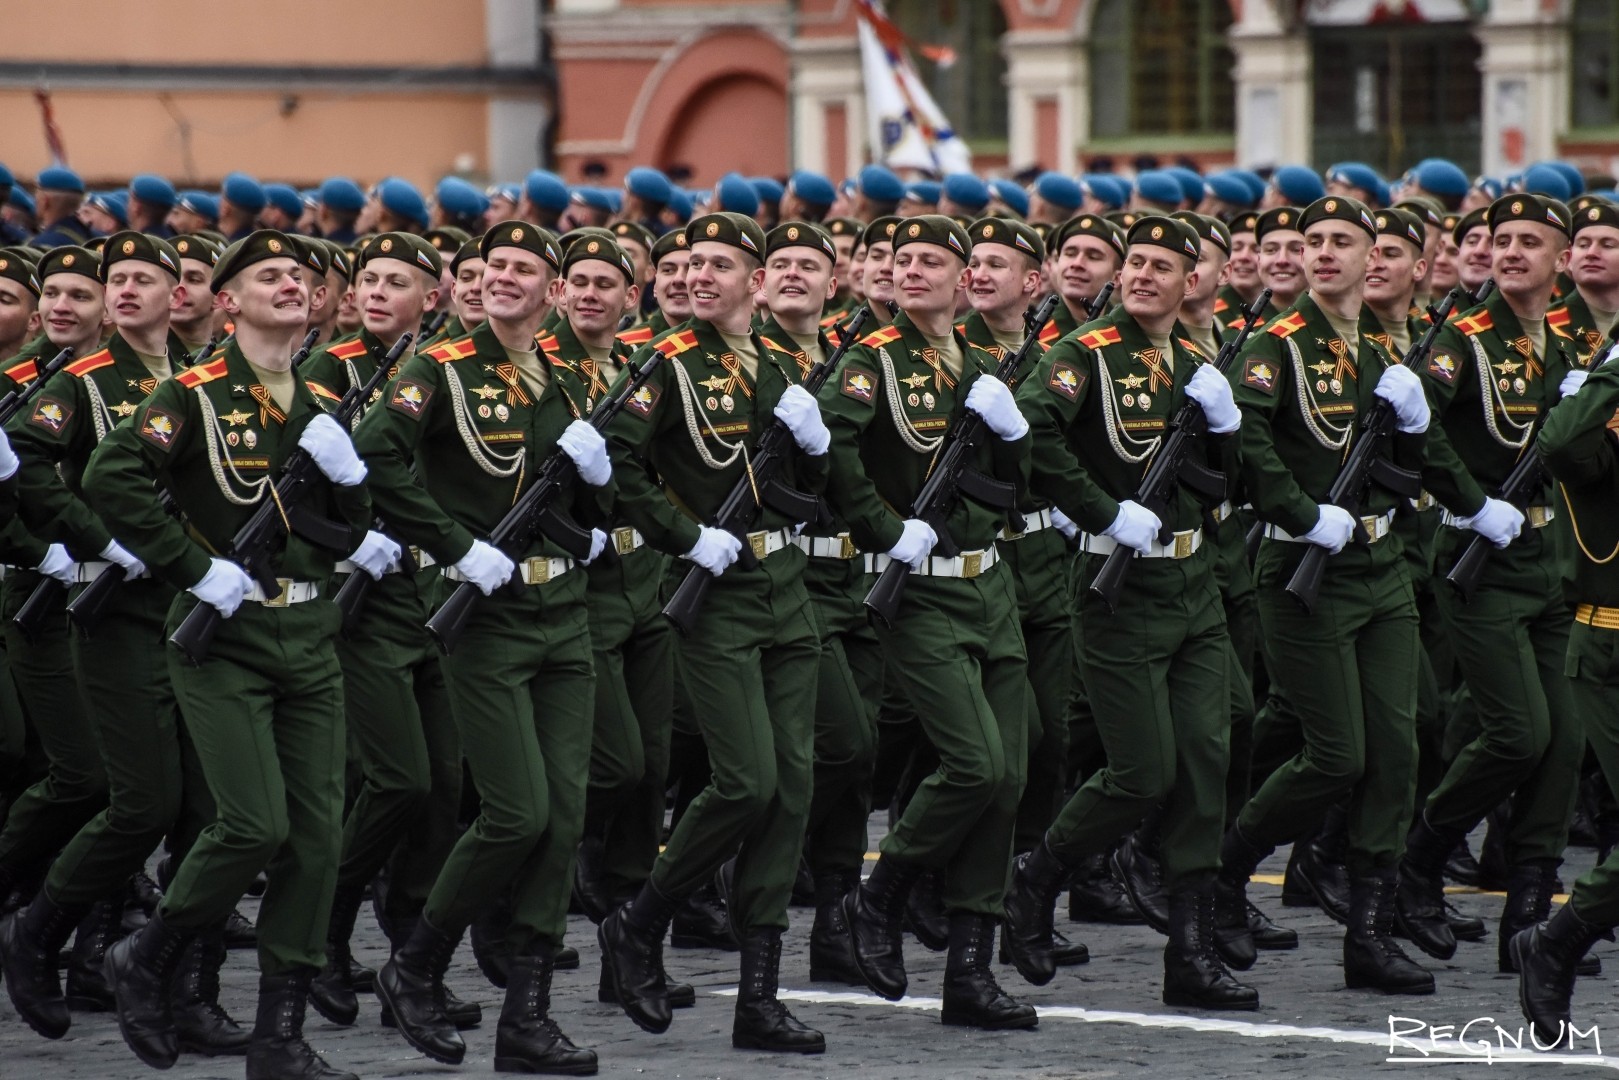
1424	501
283	598
1538	516
847	550
1370	525
1183	545
539	570
624	540
756	541
972	565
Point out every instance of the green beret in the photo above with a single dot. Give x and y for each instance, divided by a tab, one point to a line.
199	248
1398	221
880	231
68	259
1338	208
1124	219
1581	202
96	243
1526	206
1452	219
1277	219
1013	234
933	229
1207	228
737	230
130	246
800	234
521	234
1245	221
19	269
1087	225
843	226
674	240
30	253
468	250
1473	219
339	258
586	248
583	232
1169	233
312	253
253	248
215	235
447	238
403	247
1427	211
634	230
1597	212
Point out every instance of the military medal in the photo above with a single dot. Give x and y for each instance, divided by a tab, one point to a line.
502	412
1337	386
484	411
1128	400
250	439
1519	386
232	438
727	402
711	403
1321	386
1144	400
928	400
1504	385
913	400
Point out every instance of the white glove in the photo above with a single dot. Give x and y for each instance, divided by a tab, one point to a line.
329	445
1613	352
1402	388
224	586
598	540
1572	382
915	541
1062	523
376	555
486	566
1212	392
715	550
990	399
585	445
798	410
1135	527
8	457
58	564
1334	528
1497	521
115	552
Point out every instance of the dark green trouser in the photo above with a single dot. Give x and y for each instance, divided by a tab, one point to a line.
957	648
849	686
1235	579
629	752
1349	672
1592	666
1512	645
74	788
13	727
1156	670
403	735
1042	569
750	671
265	711
524	697
124	675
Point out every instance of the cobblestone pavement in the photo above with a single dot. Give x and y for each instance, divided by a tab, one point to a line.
1104	1019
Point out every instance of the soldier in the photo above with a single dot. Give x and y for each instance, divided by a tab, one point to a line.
151	198
241	199
1589	311
1474	251
1055	199
1447	260
955	647
466	294
670	256
1281	258
646	193
266	720
19	301
808	197
1086	253
878	193
59	193
1242	285
877	269
192	318
1200	311
1432	219
544	199
341	201
283	207
1349	668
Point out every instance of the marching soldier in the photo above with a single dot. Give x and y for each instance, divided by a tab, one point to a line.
1281	258
193	318
1588	312
19	300
1086	253
670	255
1474	256
877	269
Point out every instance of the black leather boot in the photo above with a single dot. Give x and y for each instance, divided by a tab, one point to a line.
202	1025
873	911
631	941
1295	893
1493	869
1373	960
1465	927
1233	938
1135	864
408	985
566	959
924	912
465	1015
1419	898
332	991
277	1050
1460	866
1322	869
240	933
30	940
527	1039
590	890
489	947
972	997
803	885
762	1021
1193	973
1095	895
831	955
701	922
1530	887
87	989
140	969
1547	958
1267	934
681	995
1065	952
1037	877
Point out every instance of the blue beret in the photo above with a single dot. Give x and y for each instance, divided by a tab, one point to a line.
546	191
967	191
1193	187
59	178
680	203
1544	179
735	194
1490	186
1255	182
242	190
6	179
113	202
512	193
200	203
1440	177
879	182
924	191
401	198
1299	184
593	197
1229	188
1010	193
812	188
1111	190
22	200
455	196
1363	176
1159	186
1575	178
1605	194
342	194
149	188
649	184
1060	191
615	199
768	190
310	197
285	198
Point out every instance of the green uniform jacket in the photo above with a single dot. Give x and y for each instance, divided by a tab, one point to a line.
345	362
692	407
1573	317
456	437
884	406
205	436
643	333
1580	450
18	547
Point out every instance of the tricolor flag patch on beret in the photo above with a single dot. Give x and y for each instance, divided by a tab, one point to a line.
163	257
1017	238
747	241
427	264
955	244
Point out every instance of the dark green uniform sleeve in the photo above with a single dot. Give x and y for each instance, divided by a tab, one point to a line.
1450	393
649	416
1263	385
1576	443
1051	399
848	407
56	427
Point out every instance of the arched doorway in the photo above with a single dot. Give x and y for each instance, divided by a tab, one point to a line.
734	122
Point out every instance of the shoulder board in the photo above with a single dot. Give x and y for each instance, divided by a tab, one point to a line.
1475	324
1191	346
453	350
675	344
1287	327
774	347
961	327
635	335
22	374
1221	305
1558	328
547	342
1049	333
322	392
826	320
202	373
557	361
1095	339
1557	318
347	350
881	337
94	362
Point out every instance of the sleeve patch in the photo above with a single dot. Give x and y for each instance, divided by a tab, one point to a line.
1066	380
859	384
52	414
159	428
643	401
1442	366
1260	374
410	398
